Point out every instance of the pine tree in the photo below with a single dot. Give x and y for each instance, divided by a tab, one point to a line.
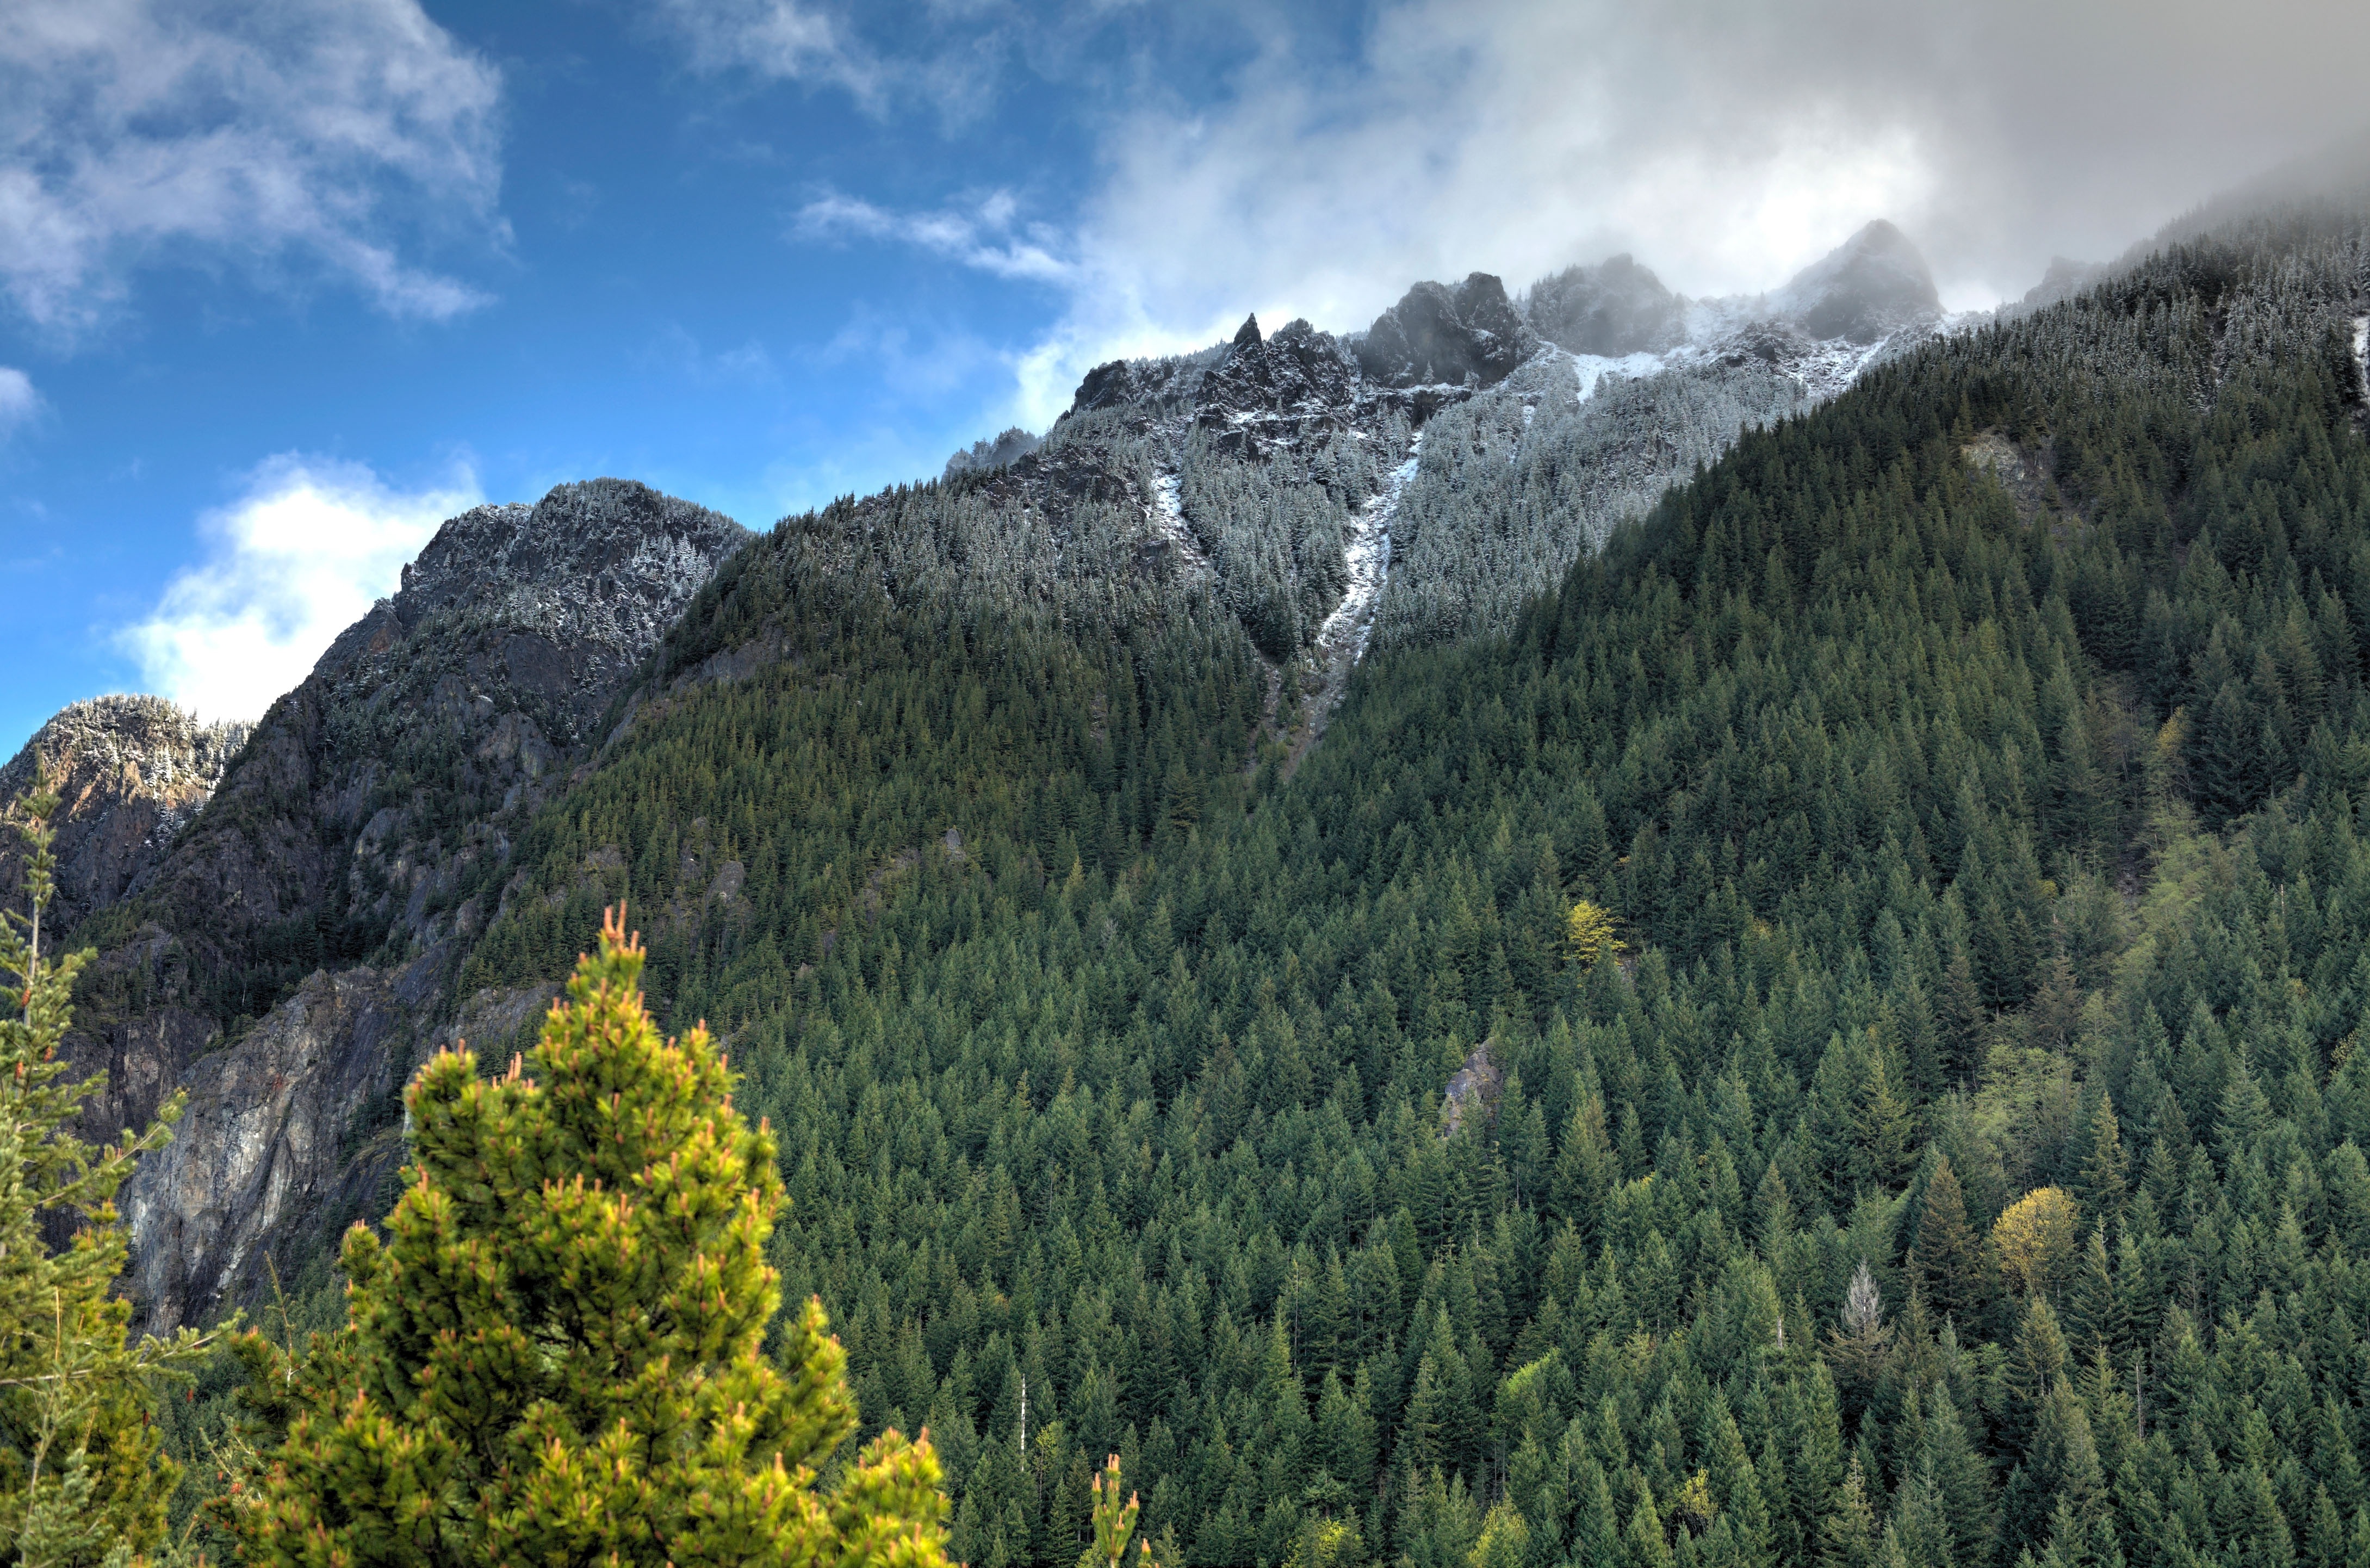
2035	1362
1857	1344
1585	1169
1113	1522
2094	1305
1885	1132
555	1354
1962	1481
1948	1259
82	1478
1817	1456
1849	1539
2104	1165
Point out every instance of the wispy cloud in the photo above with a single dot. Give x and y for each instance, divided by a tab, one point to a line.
18	401
945	58
675	350
791	39
987	236
342	132
305	551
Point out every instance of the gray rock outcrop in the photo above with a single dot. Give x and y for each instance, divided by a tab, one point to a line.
130	773
1002	452
1439	336
297	1122
360	839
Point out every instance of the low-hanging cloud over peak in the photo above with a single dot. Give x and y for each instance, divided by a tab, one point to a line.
1724	143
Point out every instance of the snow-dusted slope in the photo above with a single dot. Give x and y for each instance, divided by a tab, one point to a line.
1367	552
1281	473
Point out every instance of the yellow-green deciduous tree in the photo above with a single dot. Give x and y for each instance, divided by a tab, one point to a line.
1589	929
555	1354
2035	1239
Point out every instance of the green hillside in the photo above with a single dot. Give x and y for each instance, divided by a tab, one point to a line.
1971	766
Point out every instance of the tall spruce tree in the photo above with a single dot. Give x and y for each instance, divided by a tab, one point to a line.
556	1355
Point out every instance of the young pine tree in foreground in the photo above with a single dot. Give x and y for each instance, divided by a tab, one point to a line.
555	1356
82	1481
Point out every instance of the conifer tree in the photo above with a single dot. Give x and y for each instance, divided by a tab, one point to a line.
1962	1481
1857	1345
1949	1256
556	1356
82	1479
2104	1164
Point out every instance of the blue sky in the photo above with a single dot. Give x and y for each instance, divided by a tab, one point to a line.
280	287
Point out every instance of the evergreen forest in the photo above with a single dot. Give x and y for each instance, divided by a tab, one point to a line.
1949	1147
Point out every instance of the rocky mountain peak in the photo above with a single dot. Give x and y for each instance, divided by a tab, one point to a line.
327	893
1615	309
581	585
1298	379
1436	335
1872	285
2063	280
130	772
1002	452
607	558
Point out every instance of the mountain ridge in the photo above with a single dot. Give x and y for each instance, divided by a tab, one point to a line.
359	818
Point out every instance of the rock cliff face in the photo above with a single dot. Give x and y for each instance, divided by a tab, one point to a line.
1436	336
360	839
130	774
299	1120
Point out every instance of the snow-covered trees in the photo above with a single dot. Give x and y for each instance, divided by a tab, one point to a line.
1516	483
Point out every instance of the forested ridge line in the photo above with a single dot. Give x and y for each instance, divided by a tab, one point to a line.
1964	1162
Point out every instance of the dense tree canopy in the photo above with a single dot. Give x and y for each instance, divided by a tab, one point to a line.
1965	1158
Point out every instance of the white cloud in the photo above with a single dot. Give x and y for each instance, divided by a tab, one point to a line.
18	401
944	56
302	554
783	39
336	131
987	238
1725	143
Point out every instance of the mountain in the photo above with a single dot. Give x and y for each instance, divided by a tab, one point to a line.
130	773
1135	874
1970	764
289	954
1441	336
1609	311
1874	286
1273	488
